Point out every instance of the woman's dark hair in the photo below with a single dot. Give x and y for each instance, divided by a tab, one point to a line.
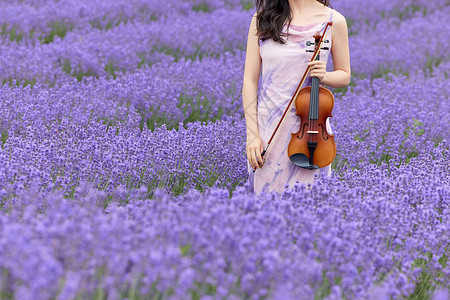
271	18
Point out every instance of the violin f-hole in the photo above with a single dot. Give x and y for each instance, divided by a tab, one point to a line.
323	132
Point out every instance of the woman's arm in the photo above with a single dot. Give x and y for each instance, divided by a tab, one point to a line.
251	78
254	145
340	52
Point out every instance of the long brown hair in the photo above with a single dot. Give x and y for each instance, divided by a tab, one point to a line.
271	17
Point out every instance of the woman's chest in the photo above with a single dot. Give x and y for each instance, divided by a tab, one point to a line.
296	49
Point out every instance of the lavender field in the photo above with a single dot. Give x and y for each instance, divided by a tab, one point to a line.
123	172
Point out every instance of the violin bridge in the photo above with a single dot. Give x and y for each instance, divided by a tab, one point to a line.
312	131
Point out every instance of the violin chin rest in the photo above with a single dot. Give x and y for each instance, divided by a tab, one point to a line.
302	161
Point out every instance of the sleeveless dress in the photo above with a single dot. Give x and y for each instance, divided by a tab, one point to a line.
281	71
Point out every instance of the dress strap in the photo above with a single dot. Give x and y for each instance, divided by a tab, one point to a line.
331	18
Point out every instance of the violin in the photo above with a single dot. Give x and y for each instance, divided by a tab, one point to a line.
312	147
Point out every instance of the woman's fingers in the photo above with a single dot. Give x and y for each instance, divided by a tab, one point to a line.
252	160
318	69
252	157
255	157
317	64
260	159
254	149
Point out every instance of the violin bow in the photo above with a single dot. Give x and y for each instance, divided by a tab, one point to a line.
280	123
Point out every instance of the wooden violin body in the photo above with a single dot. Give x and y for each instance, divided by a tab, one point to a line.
312	147
313	132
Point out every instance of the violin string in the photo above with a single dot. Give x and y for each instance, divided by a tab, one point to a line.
312	111
310	120
315	108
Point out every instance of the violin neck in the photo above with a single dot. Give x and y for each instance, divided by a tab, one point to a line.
314	98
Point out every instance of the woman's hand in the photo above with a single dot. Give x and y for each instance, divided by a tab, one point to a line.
254	148
318	69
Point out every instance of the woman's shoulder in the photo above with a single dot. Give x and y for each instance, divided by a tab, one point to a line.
338	18
327	11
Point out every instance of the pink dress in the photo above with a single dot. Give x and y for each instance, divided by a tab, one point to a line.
282	69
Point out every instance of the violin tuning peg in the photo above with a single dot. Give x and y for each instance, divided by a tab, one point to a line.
325	48
309	50
309	43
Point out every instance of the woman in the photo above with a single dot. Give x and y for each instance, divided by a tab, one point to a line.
280	48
